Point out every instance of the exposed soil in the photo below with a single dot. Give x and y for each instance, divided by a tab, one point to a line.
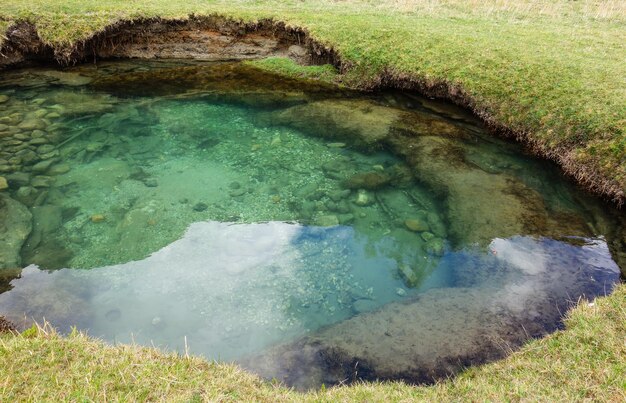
337	355
6	326
197	41
584	175
22	45
210	38
219	38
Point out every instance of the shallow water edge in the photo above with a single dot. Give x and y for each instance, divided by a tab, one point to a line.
294	229
121	39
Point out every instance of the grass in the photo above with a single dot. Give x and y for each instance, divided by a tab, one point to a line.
552	72
587	361
287	67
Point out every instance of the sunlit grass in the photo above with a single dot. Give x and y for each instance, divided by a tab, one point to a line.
587	361
287	67
603	9
553	73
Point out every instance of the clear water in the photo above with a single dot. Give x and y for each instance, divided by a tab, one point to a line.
245	217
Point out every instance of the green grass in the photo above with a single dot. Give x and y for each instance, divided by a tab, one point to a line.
287	67
587	361
552	72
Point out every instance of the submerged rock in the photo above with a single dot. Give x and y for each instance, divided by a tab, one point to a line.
42	166
237	192
151	182
367	180
418	341
326	220
29	157
27	195
416	225
200	206
479	206
365	305
435	246
420	123
42	181
346	218
362	122
96	218
59	169
46	219
67	78
94	147
45	149
410	276
75	103
443	330
33	124
436	225
43	246
363	199
233	83
338	195
15	226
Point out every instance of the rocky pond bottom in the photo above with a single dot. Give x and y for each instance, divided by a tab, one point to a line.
312	235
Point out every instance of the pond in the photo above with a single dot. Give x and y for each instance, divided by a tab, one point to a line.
310	234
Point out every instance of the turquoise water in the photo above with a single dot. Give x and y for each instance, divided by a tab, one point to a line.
245	217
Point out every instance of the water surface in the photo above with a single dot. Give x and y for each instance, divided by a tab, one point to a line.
295	229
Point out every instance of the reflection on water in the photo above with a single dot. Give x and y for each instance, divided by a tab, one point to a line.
498	300
230	289
293	228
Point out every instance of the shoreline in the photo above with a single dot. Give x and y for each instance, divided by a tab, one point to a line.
221	38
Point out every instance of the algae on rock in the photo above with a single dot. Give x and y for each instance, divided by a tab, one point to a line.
364	123
15	226
480	206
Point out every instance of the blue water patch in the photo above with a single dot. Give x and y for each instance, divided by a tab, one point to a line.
249	218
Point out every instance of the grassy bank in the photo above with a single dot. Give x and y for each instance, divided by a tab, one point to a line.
585	362
552	73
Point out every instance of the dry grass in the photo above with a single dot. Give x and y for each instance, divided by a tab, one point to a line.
614	10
